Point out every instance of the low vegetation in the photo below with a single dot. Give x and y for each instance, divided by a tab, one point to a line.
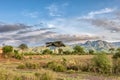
47	65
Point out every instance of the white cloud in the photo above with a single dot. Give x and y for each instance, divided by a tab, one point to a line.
92	14
56	10
53	10
31	14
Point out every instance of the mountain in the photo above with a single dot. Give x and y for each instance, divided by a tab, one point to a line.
117	44
98	45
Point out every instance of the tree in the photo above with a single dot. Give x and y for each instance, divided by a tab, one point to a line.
91	51
55	44
79	49
7	50
112	50
60	50
118	50
117	54
23	47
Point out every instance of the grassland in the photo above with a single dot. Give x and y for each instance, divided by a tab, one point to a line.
10	66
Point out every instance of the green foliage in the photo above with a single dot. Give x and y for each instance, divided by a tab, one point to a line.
18	55
23	46
116	66
7	51
112	50
60	51
21	66
67	52
91	52
101	64
47	51
29	65
48	76
116	62
79	49
56	66
117	54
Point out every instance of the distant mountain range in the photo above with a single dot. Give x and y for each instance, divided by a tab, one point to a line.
99	45
117	44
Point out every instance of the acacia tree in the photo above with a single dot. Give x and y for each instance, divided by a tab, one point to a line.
23	47
56	44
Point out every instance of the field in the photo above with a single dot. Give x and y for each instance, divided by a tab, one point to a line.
10	65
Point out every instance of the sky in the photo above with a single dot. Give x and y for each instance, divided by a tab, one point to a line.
36	22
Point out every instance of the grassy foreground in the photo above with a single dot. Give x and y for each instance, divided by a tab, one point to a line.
12	69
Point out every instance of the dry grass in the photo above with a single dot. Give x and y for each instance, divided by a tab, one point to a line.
11	64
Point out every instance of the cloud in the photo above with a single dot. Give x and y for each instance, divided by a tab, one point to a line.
57	10
111	25
12	27
92	14
106	21
40	36
53	10
34	14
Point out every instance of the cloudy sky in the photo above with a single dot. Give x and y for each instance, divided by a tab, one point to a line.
35	22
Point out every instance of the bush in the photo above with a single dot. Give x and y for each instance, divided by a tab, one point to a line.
7	51
116	66
116	55
8	75
56	66
21	66
18	56
47	51
67	52
92	52
29	65
101	64
47	75
78	49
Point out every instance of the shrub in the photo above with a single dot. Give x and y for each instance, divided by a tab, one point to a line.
67	52
18	56
29	65
92	52
116	62
101	64
7	51
58	67
116	66
47	51
8	75
21	66
78	49
48	75
116	55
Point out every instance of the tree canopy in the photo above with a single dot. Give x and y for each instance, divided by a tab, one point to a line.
23	46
